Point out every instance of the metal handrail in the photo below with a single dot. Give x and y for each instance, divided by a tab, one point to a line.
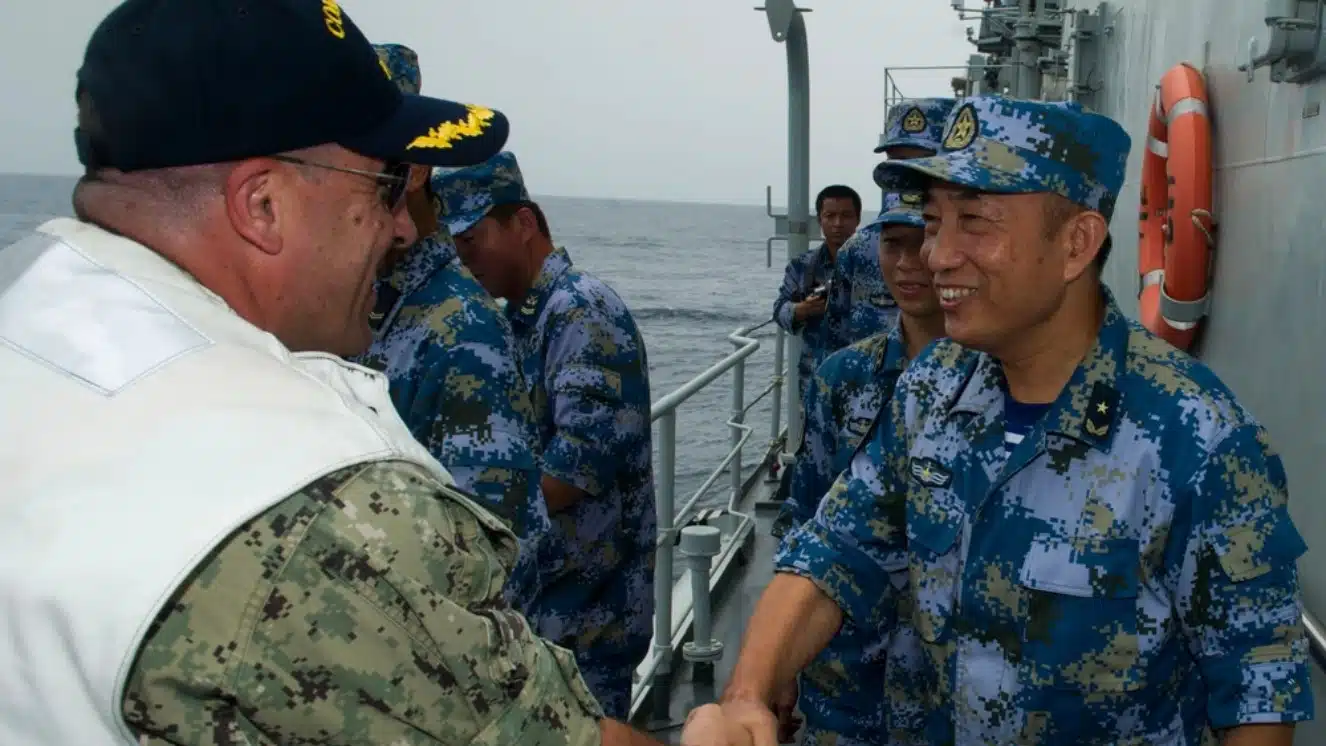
1316	634
664	413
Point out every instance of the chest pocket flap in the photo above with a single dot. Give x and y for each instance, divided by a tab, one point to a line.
934	526
1085	568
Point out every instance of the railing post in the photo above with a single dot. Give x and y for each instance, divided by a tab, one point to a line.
701	544
738	417
665	497
777	418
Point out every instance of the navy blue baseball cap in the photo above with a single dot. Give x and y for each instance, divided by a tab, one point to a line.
189	82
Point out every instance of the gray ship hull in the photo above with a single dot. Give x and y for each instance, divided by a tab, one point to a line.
1266	332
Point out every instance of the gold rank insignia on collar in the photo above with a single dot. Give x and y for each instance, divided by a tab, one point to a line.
1099	417
530	306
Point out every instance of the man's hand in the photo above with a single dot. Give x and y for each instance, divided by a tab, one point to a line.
733	724
810	308
784	708
705	726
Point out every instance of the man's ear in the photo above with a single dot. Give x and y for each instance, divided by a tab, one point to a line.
1083	237
252	205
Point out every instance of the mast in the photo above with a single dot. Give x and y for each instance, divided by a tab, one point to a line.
788	27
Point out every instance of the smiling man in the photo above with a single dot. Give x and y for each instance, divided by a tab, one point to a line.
840	690
1096	535
912	129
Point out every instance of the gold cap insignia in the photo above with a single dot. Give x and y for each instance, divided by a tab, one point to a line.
962	132
914	122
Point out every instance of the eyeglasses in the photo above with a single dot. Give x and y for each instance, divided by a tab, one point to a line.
392	180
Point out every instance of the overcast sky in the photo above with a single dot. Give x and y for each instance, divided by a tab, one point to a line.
678	100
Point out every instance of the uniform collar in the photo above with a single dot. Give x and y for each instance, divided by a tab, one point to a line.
555	265
895	352
423	260
1086	409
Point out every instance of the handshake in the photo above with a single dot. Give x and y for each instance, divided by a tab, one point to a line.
735	723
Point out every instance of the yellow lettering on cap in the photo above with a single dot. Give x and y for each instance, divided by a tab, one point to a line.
331	18
387	70
446	134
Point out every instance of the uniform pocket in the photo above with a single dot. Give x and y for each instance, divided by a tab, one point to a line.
1081	615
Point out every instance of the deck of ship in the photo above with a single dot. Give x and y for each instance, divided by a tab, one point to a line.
734	596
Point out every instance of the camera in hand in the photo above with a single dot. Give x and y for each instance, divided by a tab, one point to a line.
821	291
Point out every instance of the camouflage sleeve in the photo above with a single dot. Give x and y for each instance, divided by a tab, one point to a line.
812	472
1237	587
470	408
595	365
789	294
854	549
364	609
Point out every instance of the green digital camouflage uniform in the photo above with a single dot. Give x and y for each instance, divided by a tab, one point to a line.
365	609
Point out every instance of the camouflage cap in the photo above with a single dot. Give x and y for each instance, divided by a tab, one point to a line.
401	65
917	123
467	194
904	196
1015	146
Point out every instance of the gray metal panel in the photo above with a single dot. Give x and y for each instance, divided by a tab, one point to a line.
1266	336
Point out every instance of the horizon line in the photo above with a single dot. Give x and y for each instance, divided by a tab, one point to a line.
599	197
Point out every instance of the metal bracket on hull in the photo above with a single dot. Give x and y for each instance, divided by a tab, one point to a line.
1297	49
780	14
1077	58
783	227
1040	49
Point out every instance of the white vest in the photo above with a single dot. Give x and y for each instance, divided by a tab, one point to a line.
141	422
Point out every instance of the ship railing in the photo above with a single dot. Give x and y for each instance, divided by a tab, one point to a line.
1316	634
674	603
893	93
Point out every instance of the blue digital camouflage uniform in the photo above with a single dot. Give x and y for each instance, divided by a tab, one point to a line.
585	361
850	386
917	123
840	691
449	353
1125	574
870	308
803	274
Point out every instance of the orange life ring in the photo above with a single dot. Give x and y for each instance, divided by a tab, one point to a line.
1174	251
